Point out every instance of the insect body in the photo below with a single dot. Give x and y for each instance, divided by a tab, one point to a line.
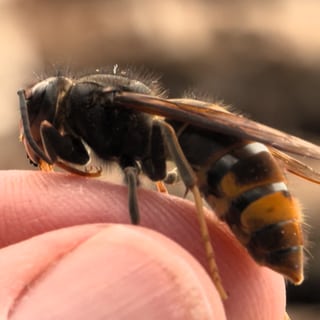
230	160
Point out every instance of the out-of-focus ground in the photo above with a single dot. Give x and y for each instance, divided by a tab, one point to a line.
263	58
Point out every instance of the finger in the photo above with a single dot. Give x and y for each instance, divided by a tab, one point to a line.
104	272
42	202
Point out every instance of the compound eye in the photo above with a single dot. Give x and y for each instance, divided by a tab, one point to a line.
39	89
42	100
37	96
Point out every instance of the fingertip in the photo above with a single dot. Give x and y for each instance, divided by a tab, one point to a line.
120	272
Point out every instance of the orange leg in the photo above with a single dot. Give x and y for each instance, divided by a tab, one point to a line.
161	187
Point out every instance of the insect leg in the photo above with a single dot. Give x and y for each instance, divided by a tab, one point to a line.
131	174
189	179
171	177
161	187
65	147
154	165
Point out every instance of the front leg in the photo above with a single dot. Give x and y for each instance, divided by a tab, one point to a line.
66	148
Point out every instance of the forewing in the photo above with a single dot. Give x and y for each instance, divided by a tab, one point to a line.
213	117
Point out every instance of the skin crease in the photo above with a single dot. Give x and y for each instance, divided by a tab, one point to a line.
69	252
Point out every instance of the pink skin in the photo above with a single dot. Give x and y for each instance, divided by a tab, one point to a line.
74	255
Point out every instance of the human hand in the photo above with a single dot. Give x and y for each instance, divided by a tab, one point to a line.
116	271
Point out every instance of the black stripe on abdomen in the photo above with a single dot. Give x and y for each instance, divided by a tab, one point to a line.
249	163
239	204
246	198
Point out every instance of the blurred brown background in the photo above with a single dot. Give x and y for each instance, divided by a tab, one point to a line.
263	58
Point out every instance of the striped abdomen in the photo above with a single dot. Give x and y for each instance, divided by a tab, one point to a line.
246	187
258	207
